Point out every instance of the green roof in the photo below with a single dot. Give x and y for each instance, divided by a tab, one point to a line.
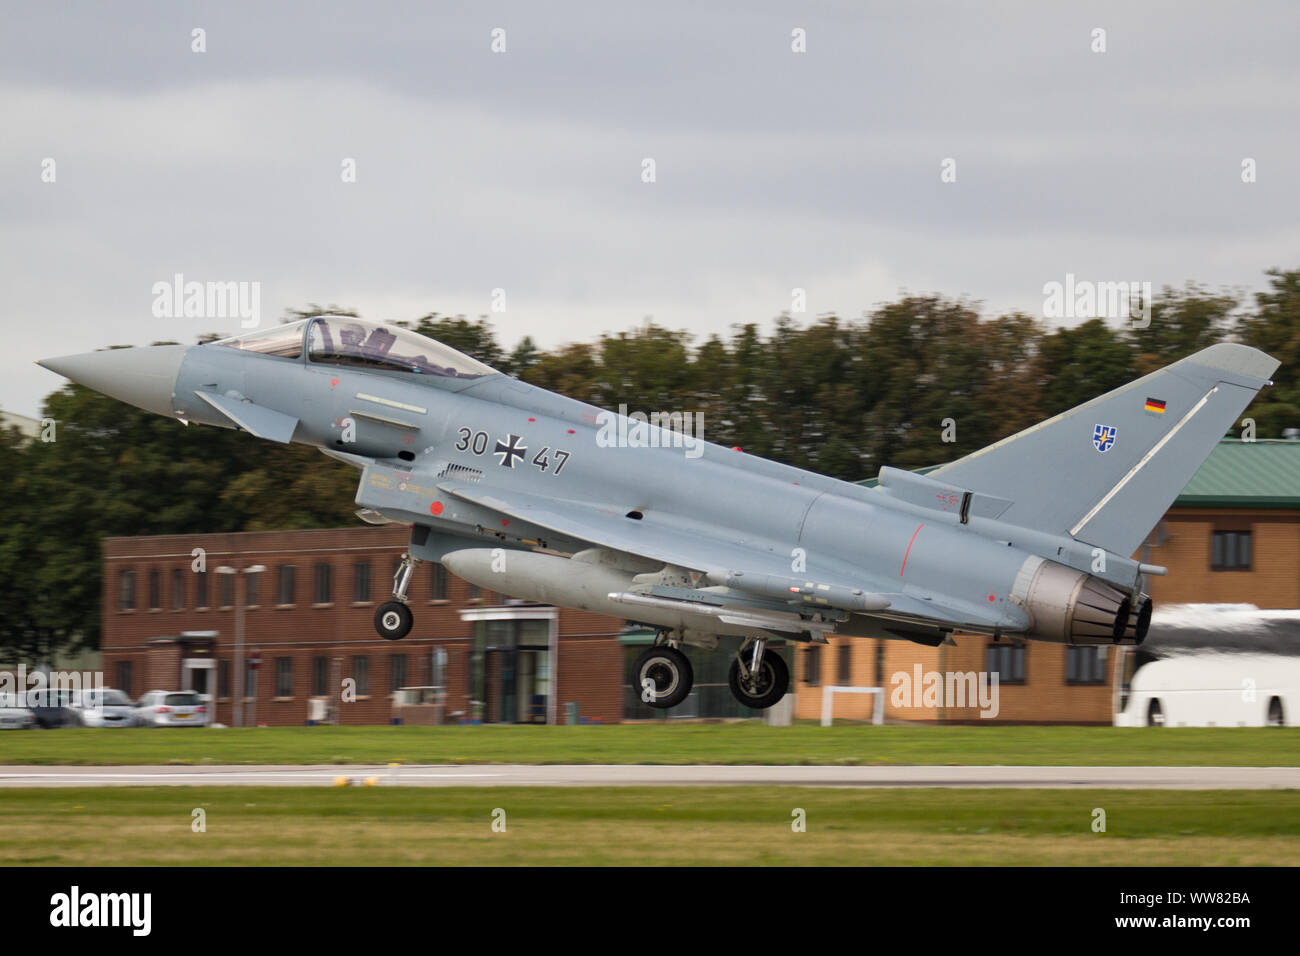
1238	474
1246	474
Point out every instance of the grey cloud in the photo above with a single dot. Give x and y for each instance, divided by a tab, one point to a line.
521	171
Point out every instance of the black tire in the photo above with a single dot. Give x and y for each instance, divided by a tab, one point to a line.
1155	714
773	682
1276	716
669	674
393	620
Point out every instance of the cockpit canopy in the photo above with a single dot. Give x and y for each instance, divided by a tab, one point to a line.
339	340
283	340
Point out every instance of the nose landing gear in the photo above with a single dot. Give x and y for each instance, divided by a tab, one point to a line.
393	619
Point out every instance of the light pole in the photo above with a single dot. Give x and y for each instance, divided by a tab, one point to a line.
238	717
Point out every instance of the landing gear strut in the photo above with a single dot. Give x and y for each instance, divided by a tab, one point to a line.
662	676
758	678
393	619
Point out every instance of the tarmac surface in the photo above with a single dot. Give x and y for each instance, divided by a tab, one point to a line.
604	775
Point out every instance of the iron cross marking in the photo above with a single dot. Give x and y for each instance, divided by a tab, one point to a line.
509	452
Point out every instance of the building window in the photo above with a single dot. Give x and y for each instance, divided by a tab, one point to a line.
250	680
178	589
223	678
284	677
880	664
844	670
812	665
225	590
397	671
254	588
124	677
361	577
437	582
201	589
361	674
286	584
324	592
473	593
1230	551
319	676
126	591
155	590
1007	661
1085	665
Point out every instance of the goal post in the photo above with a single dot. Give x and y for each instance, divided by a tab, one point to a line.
828	702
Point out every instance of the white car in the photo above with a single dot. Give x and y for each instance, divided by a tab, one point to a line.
171	708
103	708
13	717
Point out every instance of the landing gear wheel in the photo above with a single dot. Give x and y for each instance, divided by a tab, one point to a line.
1276	716
662	677
393	620
1155	714
765	687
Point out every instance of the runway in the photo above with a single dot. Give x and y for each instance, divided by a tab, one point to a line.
606	775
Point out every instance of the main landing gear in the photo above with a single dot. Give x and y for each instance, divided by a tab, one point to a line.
393	619
663	675
757	678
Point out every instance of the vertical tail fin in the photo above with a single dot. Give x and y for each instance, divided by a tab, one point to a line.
1105	471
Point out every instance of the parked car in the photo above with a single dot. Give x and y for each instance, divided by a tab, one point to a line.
14	717
171	708
51	708
103	708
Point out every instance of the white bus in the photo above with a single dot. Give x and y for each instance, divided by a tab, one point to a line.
1213	689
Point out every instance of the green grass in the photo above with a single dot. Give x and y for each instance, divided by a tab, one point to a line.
386	826
737	743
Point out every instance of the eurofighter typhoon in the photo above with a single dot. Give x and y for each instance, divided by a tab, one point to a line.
512	488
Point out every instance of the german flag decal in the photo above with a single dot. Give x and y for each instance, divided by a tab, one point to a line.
1155	406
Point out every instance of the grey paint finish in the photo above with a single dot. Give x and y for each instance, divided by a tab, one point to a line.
495	462
141	377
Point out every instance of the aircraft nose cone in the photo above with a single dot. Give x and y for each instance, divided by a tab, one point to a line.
143	377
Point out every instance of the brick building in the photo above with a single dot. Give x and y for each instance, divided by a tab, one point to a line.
307	613
1233	535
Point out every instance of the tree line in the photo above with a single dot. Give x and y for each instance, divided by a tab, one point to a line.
916	381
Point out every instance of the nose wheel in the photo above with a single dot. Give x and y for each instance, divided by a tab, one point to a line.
393	620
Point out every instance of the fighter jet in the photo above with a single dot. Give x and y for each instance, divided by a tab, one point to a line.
532	494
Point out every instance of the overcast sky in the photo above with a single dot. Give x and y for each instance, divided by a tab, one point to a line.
523	170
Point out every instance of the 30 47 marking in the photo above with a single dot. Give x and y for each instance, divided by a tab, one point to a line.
509	449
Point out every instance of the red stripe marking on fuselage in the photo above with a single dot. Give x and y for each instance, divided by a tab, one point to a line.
909	549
